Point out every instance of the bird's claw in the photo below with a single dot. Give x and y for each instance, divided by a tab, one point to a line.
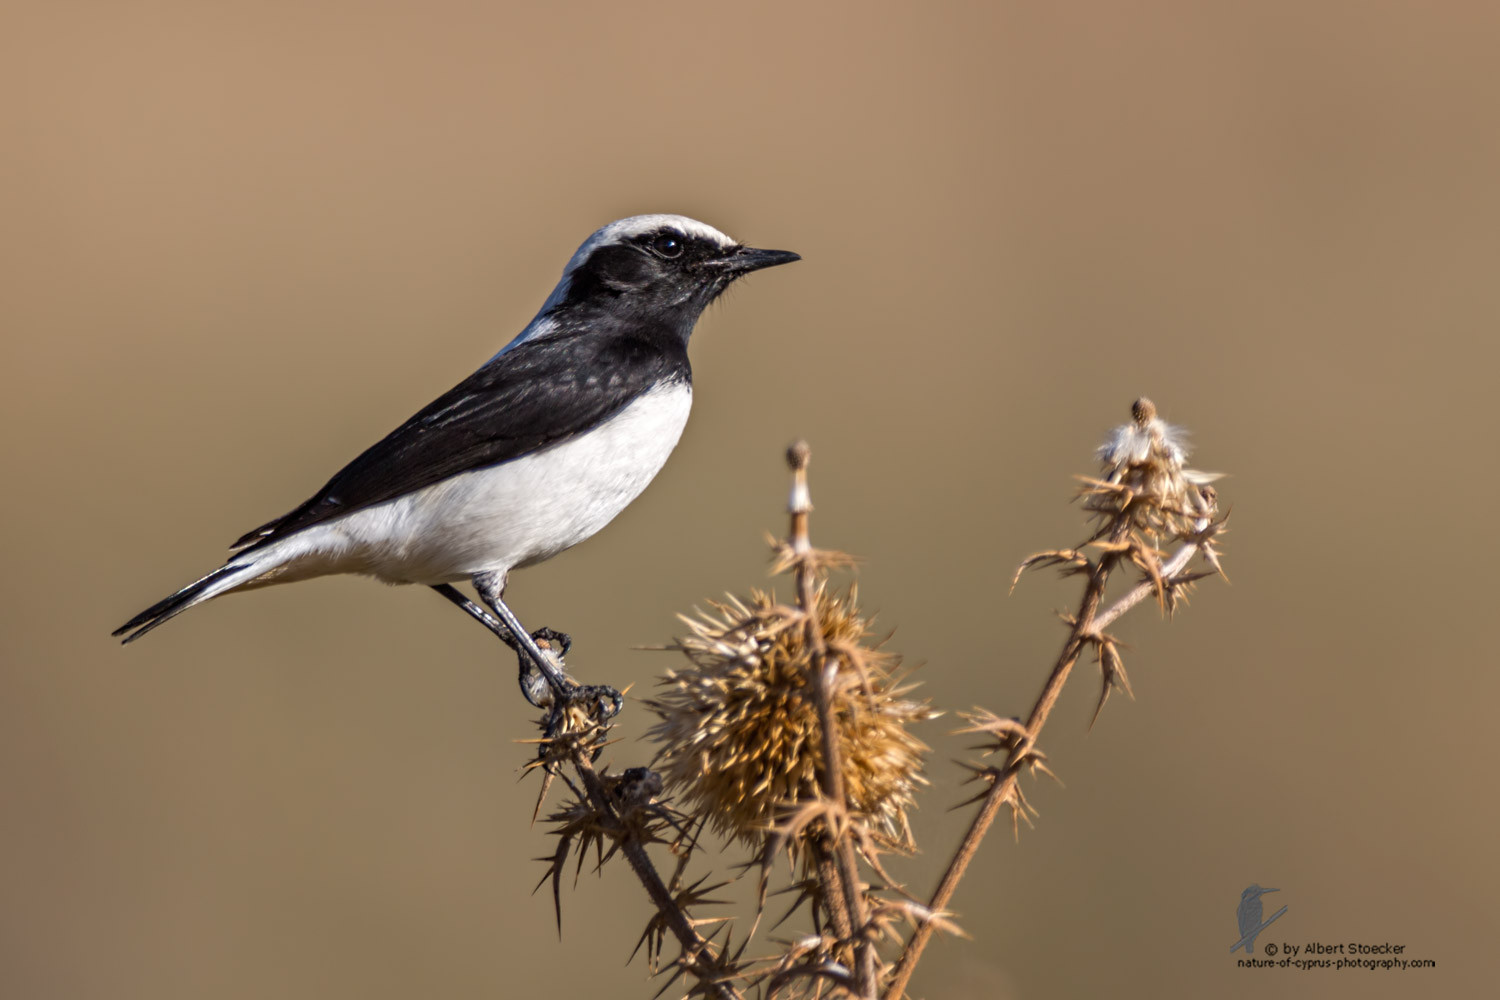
558	694
561	640
599	701
539	687
607	701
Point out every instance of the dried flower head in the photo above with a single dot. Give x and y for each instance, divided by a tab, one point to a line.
739	724
1147	440
1143	475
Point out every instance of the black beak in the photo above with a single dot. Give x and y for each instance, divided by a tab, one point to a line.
743	260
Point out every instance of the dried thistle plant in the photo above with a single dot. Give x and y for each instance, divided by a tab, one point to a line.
1143	498
788	730
739	725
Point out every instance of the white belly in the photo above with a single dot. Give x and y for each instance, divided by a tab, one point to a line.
505	516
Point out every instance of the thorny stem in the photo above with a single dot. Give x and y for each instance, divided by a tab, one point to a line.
1087	625
695	948
1145	588
833	886
852	920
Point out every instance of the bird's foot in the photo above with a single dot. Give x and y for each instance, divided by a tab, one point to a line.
544	689
561	641
603	702
581	708
577	721
567	702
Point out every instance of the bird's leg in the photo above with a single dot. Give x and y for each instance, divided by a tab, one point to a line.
491	586
528	687
474	611
607	701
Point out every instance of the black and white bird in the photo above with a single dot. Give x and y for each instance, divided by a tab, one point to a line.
530	455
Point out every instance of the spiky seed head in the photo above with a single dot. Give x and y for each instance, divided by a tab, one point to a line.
738	727
1142	467
1146	442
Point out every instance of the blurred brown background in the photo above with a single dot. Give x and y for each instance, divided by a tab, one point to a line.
242	241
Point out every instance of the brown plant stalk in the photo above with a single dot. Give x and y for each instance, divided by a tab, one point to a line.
698	954
852	921
1002	791
1087	628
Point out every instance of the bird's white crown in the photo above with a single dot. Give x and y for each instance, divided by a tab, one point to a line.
622	230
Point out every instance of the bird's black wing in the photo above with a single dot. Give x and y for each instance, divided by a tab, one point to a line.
537	394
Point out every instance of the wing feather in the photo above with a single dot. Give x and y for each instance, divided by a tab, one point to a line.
538	394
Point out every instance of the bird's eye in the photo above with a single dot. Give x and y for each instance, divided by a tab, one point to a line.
668	245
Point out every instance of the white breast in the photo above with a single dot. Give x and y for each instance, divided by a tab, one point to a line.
504	516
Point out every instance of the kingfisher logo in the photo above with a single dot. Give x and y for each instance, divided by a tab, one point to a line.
1249	916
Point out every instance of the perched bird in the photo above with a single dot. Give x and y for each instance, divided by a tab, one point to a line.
1248	915
530	455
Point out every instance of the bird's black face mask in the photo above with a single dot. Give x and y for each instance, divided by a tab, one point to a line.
664	278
